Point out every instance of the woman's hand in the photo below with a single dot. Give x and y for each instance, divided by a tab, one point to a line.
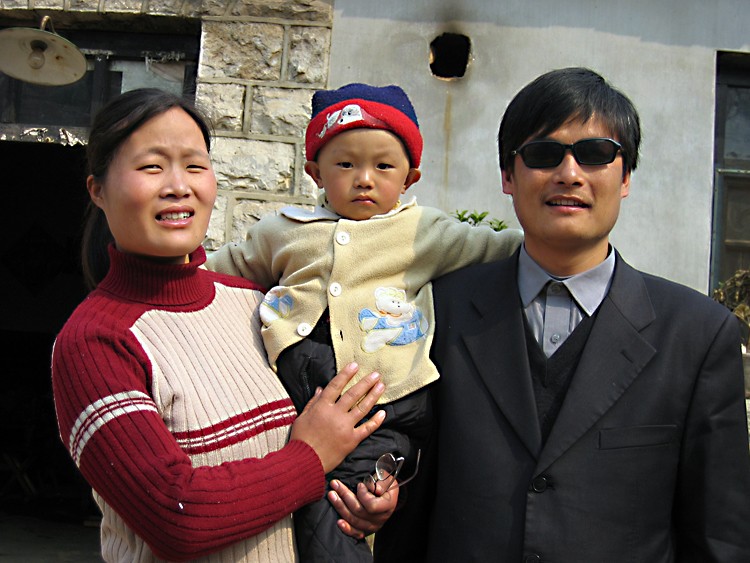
364	513
328	424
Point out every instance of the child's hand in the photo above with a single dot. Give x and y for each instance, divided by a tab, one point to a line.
364	513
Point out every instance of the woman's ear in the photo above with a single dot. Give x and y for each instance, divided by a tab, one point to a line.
313	170
411	178
94	188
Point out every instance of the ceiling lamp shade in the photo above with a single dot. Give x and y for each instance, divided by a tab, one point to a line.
39	56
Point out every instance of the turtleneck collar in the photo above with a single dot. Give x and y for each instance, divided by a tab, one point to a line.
137	279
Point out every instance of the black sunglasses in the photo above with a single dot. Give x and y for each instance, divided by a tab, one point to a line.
587	152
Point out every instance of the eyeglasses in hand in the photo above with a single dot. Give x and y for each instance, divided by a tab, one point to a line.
387	467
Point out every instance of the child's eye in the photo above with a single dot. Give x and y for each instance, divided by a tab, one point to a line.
384	166
150	167
196	167
345	164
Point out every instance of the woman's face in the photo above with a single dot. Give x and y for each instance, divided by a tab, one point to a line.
159	189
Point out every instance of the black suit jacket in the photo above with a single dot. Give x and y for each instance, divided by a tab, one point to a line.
647	461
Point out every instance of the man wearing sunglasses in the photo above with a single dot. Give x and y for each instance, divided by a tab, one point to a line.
587	412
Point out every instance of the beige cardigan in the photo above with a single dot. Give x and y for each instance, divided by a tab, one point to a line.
374	277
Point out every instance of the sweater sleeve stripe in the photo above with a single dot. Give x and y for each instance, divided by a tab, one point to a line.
100	413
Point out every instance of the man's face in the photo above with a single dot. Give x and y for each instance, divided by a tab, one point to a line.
568	211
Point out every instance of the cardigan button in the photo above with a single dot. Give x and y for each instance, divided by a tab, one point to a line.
342	238
533	558
304	329
335	289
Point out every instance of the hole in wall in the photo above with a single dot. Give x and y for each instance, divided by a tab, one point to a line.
449	55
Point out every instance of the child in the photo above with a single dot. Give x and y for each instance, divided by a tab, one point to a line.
350	280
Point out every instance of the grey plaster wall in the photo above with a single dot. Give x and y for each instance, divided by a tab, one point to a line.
662	54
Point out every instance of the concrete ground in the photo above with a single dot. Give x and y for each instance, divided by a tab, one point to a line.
33	539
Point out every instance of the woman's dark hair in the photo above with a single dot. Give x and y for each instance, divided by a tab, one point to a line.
112	126
554	98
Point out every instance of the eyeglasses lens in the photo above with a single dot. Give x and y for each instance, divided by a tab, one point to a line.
595	151
387	466
544	154
548	154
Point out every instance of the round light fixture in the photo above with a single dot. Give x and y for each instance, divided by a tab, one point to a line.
39	56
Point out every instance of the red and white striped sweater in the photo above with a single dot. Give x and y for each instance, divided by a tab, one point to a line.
166	402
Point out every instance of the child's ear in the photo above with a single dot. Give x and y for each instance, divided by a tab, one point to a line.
313	170
411	178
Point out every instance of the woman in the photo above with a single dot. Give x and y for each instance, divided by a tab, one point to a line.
163	393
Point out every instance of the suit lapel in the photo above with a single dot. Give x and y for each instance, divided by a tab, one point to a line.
498	349
613	357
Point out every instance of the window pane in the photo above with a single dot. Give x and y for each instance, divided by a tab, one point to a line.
736	252
63	106
737	132
167	76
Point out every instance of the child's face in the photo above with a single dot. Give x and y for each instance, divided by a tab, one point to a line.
363	171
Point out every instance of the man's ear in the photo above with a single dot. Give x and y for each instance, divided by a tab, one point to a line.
507	179
94	187
411	178
625	186
313	170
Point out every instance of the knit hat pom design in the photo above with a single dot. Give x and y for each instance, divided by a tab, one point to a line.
357	106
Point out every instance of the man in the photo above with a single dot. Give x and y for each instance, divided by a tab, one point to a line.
588	412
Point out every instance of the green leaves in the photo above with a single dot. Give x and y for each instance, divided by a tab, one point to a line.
734	293
476	218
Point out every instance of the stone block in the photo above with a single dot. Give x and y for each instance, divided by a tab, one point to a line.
206	7
14	4
308	54
309	10
247	212
167	7
307	187
242	164
280	111
122	6
84	5
42	4
216	234
223	103
241	50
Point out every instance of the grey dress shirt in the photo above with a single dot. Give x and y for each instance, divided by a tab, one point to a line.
554	306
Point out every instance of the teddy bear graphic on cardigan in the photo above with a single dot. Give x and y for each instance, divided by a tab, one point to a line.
395	322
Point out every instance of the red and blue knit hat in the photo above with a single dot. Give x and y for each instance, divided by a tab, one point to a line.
356	106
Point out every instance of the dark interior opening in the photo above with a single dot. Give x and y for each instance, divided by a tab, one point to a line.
44	200
449	55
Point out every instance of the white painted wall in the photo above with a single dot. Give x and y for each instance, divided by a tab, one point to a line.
661	54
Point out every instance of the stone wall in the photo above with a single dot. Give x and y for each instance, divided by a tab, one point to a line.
260	62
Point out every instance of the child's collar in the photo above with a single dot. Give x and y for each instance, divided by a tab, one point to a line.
324	212
323	202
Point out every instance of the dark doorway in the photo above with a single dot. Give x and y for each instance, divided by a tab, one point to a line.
44	200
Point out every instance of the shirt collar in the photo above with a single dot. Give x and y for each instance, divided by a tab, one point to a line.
324	212
587	288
